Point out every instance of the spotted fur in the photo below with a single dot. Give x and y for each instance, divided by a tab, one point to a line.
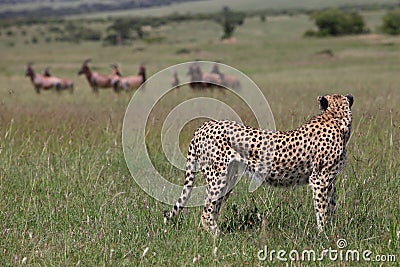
312	154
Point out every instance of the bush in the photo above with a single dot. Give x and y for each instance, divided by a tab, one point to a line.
54	29
391	22
89	34
310	33
112	39
74	32
120	31
334	22
229	20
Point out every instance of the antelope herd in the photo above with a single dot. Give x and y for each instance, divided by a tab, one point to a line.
115	81
200	79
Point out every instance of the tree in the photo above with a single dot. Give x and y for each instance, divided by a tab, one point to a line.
229	20
122	31
391	22
335	22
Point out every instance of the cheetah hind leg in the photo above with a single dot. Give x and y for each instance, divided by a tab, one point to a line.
216	194
323	188
332	201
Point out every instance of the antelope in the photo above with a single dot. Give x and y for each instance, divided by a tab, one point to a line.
97	80
175	79
226	80
198	79
131	82
46	72
64	83
47	82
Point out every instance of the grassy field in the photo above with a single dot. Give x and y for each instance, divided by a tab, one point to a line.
68	199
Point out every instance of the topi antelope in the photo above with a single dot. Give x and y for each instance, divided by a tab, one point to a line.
64	83
47	82
198	79
46	72
229	81
130	82
175	79
97	80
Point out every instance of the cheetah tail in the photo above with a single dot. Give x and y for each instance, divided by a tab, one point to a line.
190	175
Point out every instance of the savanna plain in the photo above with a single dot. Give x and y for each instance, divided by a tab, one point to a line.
68	199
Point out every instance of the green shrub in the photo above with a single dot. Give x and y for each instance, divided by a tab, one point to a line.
120	31
183	51
391	22
111	39
89	34
54	29
229	20
334	22
74	32
310	33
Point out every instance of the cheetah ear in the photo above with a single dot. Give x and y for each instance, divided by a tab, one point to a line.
323	103
350	98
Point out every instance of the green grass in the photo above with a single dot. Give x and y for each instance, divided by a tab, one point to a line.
67	197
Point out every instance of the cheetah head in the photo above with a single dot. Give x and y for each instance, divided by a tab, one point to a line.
335	102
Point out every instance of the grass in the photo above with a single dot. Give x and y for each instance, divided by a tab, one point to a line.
67	197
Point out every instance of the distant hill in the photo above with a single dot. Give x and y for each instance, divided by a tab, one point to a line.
58	8
103	8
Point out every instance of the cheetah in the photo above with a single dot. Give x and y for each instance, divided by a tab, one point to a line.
312	154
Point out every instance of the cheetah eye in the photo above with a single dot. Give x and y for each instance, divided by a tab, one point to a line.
323	103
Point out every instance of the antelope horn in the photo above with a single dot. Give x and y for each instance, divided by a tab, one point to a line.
87	61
